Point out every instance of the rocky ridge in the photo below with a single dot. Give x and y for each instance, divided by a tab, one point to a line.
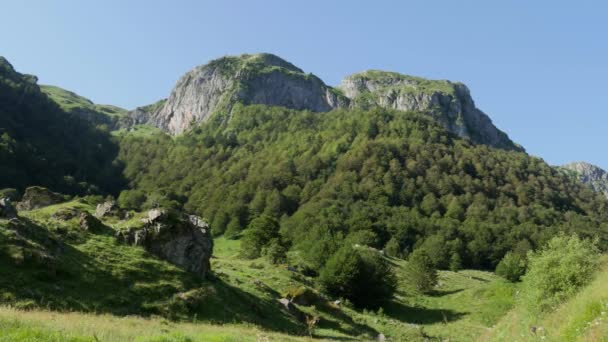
591	175
269	80
249	79
449	103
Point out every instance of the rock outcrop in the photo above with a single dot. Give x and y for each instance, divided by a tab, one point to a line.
183	240
108	208
249	79
36	197
591	175
269	80
448	102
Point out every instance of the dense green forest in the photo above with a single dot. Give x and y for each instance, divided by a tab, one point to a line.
40	144
386	179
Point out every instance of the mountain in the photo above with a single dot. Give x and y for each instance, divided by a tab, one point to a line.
249	79
375	177
41	144
269	80
591	175
73	103
449	103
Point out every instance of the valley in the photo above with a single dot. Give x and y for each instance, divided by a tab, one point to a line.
258	203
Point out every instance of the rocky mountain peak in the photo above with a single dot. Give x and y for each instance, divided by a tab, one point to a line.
270	80
249	79
592	175
450	103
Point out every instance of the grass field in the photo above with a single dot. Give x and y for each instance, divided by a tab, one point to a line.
113	292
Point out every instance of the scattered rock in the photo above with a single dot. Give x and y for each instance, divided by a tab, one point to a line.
154	215
182	240
36	197
66	214
292	269
7	211
287	305
108	208
381	338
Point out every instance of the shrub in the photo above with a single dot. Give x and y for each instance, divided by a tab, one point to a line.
393	248
361	276
512	267
276	251
259	233
421	271
558	270
455	262
131	199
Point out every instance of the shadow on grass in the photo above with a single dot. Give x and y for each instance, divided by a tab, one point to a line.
420	315
355	328
122	280
440	293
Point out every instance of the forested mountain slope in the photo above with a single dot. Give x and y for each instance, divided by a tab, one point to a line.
40	144
387	179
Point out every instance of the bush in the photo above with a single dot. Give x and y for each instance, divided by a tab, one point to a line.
512	267
258	234
558	270
455	262
276	252
393	248
131	199
361	276
421	271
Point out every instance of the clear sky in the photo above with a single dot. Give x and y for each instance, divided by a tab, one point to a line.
538	68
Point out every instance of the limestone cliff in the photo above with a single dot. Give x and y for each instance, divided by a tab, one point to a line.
591	175
269	80
249	79
448	102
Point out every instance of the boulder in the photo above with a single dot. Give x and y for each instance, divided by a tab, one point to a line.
108	208
36	197
7	211
182	240
66	214
286	304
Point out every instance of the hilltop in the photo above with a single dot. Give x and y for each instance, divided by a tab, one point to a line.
269	80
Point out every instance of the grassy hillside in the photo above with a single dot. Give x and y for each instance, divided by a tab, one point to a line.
581	318
48	326
70	101
50	263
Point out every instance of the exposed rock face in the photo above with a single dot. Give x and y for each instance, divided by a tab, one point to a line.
449	103
182	240
591	175
36	197
249	79
7	211
108	208
269	80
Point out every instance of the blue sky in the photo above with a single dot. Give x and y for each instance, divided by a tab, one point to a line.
538	68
